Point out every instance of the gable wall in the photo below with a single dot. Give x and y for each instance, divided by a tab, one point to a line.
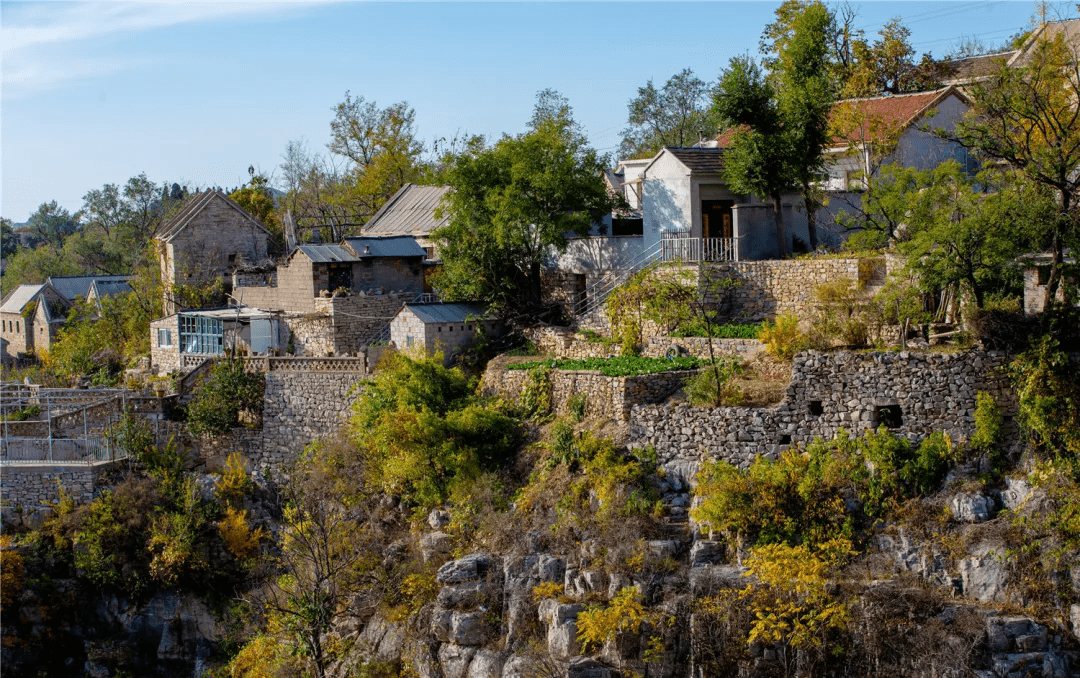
19	340
666	199
921	149
200	252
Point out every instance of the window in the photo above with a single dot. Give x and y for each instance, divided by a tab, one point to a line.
439	328
816	408
17	326
888	415
164	337
408	341
451	328
1044	275
199	334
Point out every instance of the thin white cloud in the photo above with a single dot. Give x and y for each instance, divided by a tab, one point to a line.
48	23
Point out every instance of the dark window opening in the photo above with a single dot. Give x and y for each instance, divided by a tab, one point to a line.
1044	275
816	408
340	276
889	415
232	258
785	439
627	226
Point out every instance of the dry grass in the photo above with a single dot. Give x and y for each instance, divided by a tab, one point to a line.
764	380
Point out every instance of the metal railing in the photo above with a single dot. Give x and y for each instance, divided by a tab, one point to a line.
694	250
596	294
58	451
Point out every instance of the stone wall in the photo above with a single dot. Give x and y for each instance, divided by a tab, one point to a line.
565	343
771	288
31	486
605	396
919	392
355	317
300	407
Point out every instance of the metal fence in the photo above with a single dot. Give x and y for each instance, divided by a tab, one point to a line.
58	451
693	250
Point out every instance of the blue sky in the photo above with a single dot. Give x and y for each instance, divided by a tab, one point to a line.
96	92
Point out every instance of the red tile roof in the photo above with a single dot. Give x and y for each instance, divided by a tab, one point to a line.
873	119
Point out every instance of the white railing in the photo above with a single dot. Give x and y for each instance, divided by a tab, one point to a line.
694	250
58	451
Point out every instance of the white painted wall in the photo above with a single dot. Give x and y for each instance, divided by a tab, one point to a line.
667	198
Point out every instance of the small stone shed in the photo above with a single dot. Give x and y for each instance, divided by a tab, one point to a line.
183	340
1037	277
427	328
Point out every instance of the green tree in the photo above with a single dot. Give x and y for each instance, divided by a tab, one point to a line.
801	70
888	65
514	202
226	392
673	115
52	223
960	232
760	158
256	198
1027	118
9	242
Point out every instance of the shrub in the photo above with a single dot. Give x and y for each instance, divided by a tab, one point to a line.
577	405
239	538
841	315
600	623
227	391
421	431
173	536
547	589
536	392
782	338
235	483
1048	391
11	571
711	386
696	327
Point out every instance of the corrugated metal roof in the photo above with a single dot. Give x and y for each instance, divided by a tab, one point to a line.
411	210
386	246
20	297
76	286
447	313
327	253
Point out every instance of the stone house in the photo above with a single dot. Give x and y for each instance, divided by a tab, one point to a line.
30	318
426	328
183	340
207	240
1037	277
358	264
411	211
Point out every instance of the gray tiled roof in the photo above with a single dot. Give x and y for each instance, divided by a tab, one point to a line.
386	246
699	160
411	210
447	313
76	286
108	288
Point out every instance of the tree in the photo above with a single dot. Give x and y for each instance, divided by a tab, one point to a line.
9	242
960	232
52	223
801	70
888	65
512	204
382	150
760	158
1027	117
674	115
256	198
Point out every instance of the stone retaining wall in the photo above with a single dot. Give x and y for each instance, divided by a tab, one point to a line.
566	343
828	391
605	396
31	486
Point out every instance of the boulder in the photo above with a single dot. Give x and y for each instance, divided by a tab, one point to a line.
971	508
467	629
1016	492
468	568
583	667
467	595
485	664
705	552
1074	616
984	577
435	544
438	519
455	660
